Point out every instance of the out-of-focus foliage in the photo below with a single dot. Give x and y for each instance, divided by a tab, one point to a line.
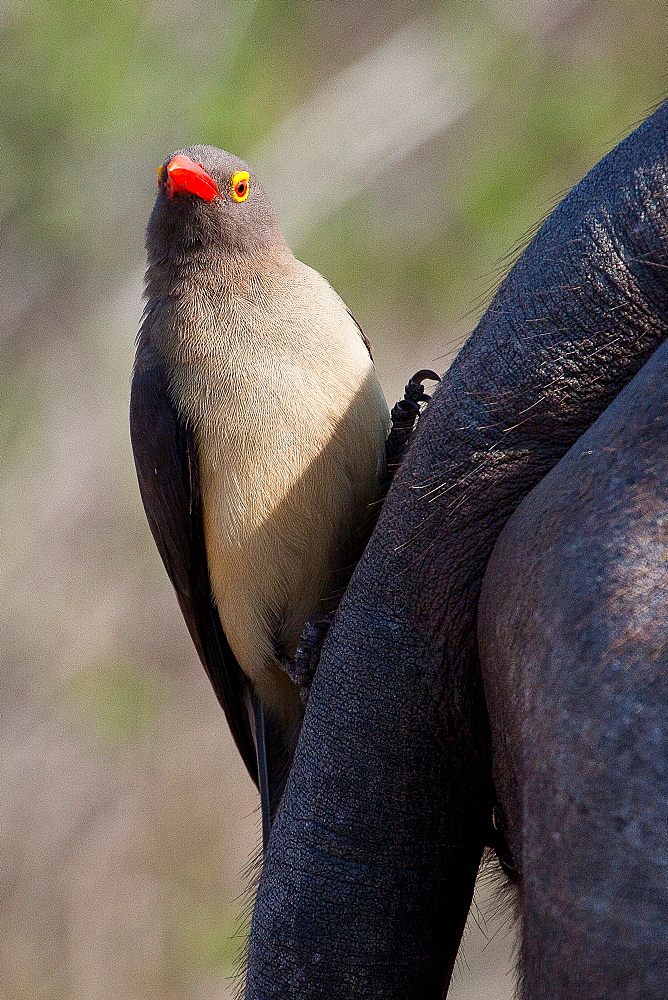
409	148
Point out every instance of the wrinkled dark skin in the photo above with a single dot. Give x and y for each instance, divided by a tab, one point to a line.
573	637
372	860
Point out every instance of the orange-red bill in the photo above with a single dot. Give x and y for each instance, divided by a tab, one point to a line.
183	174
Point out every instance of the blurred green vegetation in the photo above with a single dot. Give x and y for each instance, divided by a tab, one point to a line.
210	937
128	813
117	703
95	94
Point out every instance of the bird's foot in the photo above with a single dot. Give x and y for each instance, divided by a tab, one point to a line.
301	668
404	415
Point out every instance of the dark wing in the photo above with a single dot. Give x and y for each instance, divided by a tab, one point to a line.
168	473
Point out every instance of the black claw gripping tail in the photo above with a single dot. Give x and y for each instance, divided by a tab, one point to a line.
404	415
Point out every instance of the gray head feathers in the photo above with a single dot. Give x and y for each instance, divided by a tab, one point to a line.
185	224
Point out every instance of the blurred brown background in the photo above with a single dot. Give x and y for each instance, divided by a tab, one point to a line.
409	149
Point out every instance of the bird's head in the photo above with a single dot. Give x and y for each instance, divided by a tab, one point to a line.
209	200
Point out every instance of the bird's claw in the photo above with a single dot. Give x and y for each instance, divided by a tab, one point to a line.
415	389
301	668
404	415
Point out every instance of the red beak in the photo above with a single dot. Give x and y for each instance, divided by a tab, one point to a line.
183	174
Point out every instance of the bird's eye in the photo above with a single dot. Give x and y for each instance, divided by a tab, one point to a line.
240	185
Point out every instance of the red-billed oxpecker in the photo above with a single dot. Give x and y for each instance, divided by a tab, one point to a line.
258	427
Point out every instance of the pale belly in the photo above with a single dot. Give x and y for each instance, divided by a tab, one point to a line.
286	493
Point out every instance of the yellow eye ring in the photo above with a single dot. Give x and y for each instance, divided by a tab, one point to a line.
240	185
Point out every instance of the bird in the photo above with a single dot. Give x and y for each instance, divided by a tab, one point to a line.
258	427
